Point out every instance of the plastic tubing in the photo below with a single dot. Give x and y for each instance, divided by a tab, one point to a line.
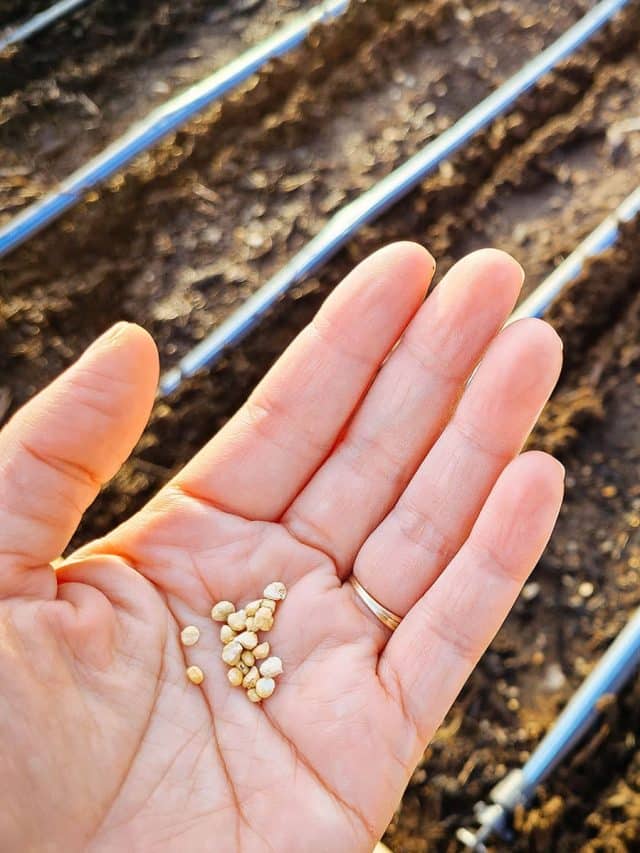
39	22
382	195
161	122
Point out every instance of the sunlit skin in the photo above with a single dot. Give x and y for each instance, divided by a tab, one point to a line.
356	452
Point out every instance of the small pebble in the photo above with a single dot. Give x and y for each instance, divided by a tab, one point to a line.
248	640
221	611
253	696
271	667
248	658
251	678
235	676
275	591
585	590
227	634
195	675
265	687
237	620
251	624
252	607
268	604
262	651
190	635
243	667
231	653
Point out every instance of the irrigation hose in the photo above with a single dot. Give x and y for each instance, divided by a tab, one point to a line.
160	123
382	195
39	22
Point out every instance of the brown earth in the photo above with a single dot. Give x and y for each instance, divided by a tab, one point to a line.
196	226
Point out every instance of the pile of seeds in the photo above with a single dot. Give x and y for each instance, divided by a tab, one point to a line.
242	649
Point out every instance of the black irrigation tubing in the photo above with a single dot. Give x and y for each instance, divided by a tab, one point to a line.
371	204
43	19
160	123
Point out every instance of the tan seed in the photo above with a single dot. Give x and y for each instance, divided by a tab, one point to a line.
265	687
261	651
221	610
190	635
237	620
195	674
235	676
251	623
248	658
231	653
248	640
269	604
227	634
252	607
244	669
253	696
271	667
251	677
263	620
276	591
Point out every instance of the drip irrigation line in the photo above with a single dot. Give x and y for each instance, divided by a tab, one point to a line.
39	22
160	123
601	238
367	207
614	669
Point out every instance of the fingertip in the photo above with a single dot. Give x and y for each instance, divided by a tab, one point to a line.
411	262
542	476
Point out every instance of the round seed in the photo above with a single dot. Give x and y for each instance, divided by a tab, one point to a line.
231	653
227	634
269	605
265	687
235	676
251	624
271	667
190	635
244	669
195	674
248	658
253	696
248	640
261	651
263	620
237	620
276	591
221	610
251	677
252	607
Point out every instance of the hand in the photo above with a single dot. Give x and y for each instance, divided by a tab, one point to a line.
350	455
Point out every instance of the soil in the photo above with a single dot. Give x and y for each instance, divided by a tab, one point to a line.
194	227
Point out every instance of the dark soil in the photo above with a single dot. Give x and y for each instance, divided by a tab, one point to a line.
196	226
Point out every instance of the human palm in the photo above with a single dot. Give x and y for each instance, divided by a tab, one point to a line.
353	454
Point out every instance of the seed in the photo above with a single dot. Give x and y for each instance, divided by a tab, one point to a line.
263	620
190	635
244	669
276	591
235	676
231	653
269	604
248	658
265	687
252	607
251	624
195	674
261	651
227	634
248	640
238	620
253	696
251	678
271	667
221	610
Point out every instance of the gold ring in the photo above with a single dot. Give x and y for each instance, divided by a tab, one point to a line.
387	617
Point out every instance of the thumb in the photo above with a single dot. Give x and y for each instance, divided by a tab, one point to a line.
59	449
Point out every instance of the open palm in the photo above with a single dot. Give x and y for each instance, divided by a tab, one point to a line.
356	453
